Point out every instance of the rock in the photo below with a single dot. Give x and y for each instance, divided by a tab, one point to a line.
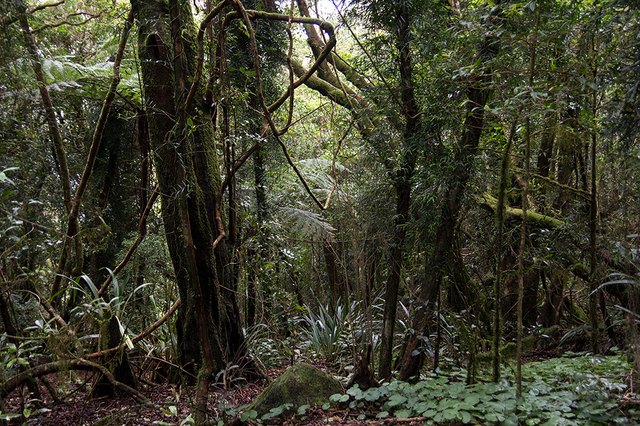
300	385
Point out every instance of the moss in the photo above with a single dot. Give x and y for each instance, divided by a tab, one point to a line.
117	364
536	219
528	343
509	350
299	385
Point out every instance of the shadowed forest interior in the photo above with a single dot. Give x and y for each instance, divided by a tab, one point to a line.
436	202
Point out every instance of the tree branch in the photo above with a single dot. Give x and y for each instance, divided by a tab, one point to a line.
140	336
201	31
256	66
54	130
540	219
73	225
46	5
586	195
65	365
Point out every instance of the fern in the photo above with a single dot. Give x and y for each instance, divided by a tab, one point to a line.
308	223
64	75
317	172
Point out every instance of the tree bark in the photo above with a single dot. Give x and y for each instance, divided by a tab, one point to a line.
117	363
497	283
554	298
478	92
190	183
403	189
333	275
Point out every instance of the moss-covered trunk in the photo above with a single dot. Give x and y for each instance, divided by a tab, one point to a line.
189	175
117	363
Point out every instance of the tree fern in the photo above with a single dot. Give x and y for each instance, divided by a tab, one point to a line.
307	223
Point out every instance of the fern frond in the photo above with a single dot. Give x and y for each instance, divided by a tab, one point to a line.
307	223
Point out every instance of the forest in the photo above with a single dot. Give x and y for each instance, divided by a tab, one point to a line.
432	206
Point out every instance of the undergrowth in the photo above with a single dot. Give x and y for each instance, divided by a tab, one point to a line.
571	390
582	390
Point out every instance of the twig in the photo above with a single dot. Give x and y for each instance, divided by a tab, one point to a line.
44	6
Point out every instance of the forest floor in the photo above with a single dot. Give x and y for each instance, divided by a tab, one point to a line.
79	410
76	408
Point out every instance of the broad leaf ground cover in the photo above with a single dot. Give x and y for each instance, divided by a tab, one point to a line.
571	390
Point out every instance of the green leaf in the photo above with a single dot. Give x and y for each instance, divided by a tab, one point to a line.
303	409
275	412
464	416
8	416
382	414
472	399
396	399
91	285
403	414
251	414
372	394
336	397
449	415
3	176
356	392
510	422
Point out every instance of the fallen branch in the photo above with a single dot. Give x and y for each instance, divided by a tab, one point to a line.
65	365
535	218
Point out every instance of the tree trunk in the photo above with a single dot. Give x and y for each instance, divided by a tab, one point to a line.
547	141
256	254
117	364
190	182
554	298
509	294
440	258
403	190
569	147
333	275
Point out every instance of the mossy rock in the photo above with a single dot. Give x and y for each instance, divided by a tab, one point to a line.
509	350
300	385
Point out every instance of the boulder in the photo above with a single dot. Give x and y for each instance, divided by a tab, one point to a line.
301	384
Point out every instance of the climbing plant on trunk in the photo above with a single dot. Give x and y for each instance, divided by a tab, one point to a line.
188	170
